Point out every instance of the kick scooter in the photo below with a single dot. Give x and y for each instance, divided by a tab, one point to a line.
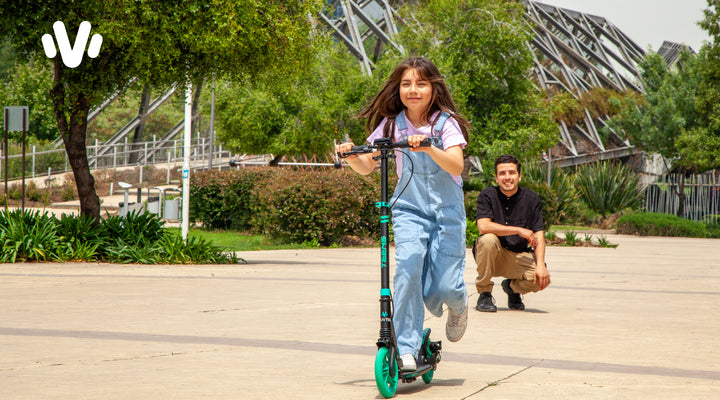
387	372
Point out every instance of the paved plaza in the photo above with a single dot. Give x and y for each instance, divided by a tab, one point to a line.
641	321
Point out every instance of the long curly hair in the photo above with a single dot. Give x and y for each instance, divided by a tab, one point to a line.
387	103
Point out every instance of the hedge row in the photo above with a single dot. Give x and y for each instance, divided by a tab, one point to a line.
287	206
658	224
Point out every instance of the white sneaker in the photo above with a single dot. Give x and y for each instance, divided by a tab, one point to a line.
456	324
408	362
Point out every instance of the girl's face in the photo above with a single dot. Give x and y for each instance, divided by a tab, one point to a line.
415	93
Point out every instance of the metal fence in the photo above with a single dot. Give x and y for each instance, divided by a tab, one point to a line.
702	196
100	156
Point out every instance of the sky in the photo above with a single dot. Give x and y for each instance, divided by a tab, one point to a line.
648	22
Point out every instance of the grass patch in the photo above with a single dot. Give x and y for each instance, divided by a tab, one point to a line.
571	228
234	241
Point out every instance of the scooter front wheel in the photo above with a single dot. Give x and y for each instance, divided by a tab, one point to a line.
386	372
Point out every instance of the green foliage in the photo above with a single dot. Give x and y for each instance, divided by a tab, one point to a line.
658	224
713	230
302	206
133	229
472	232
27	84
470	198
224	200
679	117
559	199
27	235
480	46
571	238
604	242
140	238
607	188
298	113
288	206
157	42
79	238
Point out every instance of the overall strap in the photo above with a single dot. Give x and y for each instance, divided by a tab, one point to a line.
400	122
441	122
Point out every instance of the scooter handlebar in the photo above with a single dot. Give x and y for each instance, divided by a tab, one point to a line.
385	143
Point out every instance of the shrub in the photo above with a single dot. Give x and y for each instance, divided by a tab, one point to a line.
27	236
79	239
470	198
658	224
713	230
224	200
472	232
608	188
296	206
559	199
139	238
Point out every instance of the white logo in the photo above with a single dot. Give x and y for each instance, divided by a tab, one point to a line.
71	56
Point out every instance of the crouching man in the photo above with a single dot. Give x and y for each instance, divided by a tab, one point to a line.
512	244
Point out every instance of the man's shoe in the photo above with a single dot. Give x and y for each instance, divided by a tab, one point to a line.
407	362
456	324
486	303
514	299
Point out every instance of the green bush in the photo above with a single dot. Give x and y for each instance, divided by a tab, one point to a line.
296	206
713	230
139	238
607	188
288	206
471	204
225	200
559	199
658	224
27	236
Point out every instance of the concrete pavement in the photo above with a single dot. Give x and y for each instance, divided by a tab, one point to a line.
637	322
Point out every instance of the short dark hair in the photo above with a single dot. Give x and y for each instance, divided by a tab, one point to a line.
507	158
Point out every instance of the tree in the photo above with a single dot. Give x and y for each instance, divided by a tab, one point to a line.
158	42
300	113
481	48
672	120
27	84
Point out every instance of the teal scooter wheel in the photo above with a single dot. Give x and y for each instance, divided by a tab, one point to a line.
427	377
386	382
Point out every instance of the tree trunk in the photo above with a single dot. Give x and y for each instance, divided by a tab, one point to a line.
74	131
138	135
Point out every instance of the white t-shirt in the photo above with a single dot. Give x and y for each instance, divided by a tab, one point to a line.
451	136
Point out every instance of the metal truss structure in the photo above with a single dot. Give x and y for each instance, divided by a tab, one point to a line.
363	26
573	52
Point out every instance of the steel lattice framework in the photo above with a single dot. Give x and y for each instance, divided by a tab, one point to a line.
573	52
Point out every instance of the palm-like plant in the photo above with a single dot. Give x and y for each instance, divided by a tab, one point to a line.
608	187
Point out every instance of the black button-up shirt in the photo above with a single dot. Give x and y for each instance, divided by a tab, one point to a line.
523	209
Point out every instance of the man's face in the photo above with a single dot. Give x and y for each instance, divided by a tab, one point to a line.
507	177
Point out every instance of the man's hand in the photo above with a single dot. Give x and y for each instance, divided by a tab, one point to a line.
541	277
528	235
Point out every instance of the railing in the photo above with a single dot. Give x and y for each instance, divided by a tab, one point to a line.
702	196
120	155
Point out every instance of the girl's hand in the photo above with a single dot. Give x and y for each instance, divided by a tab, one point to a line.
414	142
344	148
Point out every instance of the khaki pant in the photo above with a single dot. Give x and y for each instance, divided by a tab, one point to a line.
493	260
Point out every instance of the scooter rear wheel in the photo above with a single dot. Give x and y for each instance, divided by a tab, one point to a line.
428	376
386	382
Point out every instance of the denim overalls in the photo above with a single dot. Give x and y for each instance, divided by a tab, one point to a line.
429	227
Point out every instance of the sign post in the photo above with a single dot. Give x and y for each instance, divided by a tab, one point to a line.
16	120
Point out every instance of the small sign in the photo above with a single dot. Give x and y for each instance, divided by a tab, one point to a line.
186	174
14	118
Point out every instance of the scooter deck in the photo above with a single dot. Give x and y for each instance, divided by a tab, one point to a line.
421	370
